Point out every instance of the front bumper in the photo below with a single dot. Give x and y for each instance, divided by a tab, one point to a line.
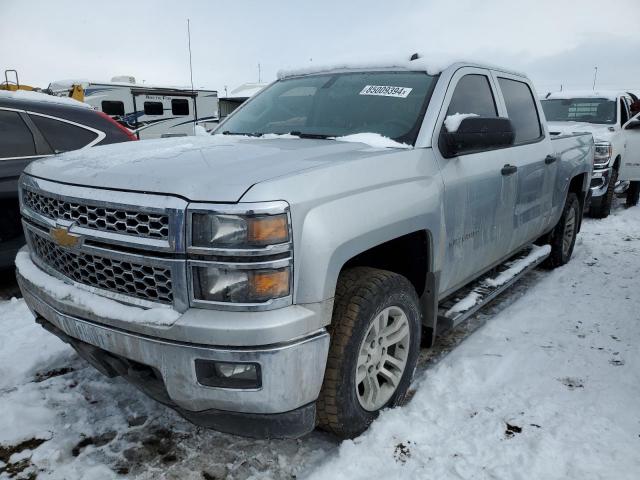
291	373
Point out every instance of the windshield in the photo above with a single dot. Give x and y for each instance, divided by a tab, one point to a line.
391	104
589	110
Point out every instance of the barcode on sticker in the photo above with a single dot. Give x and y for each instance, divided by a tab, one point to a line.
386	91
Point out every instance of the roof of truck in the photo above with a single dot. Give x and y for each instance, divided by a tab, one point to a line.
568	94
433	64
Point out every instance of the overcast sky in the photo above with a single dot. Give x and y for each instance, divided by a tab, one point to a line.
555	42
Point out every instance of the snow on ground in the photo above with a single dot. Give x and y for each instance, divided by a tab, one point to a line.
545	384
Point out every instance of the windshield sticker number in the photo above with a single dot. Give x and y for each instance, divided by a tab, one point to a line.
386	91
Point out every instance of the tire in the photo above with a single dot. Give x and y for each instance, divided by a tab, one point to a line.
563	236
633	194
603	209
363	296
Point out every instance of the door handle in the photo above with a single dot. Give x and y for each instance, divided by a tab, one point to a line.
549	159
509	169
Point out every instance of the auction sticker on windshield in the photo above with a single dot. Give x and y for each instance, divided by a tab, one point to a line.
386	91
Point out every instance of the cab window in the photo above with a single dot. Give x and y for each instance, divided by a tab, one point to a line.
521	109
473	95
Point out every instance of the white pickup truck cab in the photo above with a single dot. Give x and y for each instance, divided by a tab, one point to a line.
607	116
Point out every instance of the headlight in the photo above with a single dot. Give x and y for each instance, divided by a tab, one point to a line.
240	256
231	285
603	153
213	230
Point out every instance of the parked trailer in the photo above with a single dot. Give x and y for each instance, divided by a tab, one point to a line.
150	112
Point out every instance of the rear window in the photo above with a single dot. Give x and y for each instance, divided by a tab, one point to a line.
111	107
15	137
588	110
62	136
521	109
153	108
180	106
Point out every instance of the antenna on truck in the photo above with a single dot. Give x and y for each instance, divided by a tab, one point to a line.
195	112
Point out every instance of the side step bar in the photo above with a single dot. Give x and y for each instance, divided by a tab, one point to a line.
467	301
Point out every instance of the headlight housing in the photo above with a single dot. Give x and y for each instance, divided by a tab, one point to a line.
210	230
603	153
240	256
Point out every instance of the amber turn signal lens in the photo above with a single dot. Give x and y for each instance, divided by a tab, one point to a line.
268	284
268	230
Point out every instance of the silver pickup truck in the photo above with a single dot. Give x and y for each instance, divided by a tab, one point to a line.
284	272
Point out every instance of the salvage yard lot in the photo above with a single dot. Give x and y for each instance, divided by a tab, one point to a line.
547	386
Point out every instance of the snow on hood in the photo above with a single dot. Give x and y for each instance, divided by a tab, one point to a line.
374	140
601	133
432	63
215	168
41	97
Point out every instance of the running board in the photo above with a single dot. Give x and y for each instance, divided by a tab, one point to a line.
468	300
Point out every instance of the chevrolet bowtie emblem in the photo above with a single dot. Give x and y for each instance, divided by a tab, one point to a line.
63	238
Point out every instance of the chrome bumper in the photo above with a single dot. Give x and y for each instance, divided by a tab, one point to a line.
292	373
600	182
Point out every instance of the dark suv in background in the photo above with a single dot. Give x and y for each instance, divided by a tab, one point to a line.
36	127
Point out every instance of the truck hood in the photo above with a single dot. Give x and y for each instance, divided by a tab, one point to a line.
214	168
601	133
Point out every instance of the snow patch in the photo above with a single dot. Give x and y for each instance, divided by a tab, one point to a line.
200	131
42	97
96	304
464	304
537	252
452	122
374	140
571	94
432	63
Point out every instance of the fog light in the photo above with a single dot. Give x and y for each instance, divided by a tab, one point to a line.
228	374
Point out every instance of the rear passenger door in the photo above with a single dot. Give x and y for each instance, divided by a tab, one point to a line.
532	154
479	193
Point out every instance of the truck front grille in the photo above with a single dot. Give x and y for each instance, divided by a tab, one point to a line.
129	278
140	224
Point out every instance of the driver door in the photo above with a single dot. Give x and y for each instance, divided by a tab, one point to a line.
479	187
630	168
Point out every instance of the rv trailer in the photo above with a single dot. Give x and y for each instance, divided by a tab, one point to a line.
148	111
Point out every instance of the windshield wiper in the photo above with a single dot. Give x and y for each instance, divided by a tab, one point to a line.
254	134
319	136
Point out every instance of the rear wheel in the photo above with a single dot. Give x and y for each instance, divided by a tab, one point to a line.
603	209
633	194
563	236
375	341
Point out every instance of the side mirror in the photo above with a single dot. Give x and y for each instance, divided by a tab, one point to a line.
633	124
476	134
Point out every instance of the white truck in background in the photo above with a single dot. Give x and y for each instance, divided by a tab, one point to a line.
608	116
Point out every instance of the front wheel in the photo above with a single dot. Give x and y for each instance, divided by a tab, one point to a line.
563	236
375	342
633	194
603	208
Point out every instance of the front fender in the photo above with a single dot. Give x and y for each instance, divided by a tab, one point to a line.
336	231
